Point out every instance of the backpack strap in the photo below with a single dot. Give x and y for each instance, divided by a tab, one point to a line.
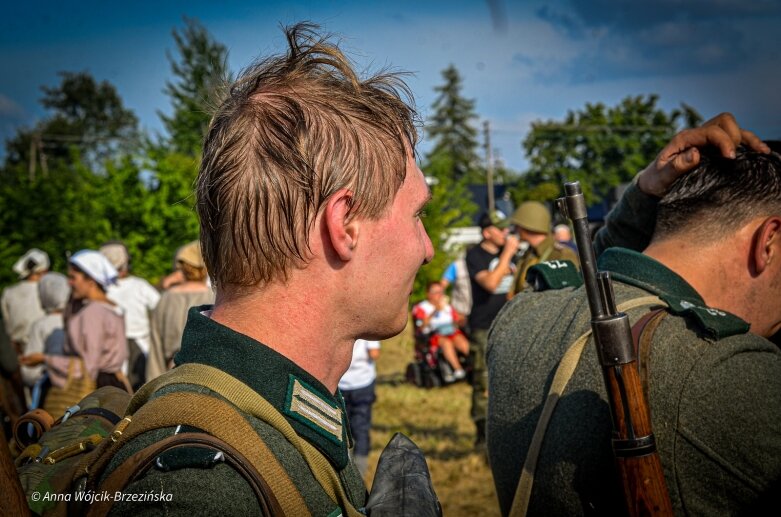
217	418
561	378
247	400
136	466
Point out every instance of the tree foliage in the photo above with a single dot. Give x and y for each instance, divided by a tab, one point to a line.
200	71
599	146
85	175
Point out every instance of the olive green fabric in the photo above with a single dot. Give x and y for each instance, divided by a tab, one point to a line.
201	489
714	394
630	224
548	250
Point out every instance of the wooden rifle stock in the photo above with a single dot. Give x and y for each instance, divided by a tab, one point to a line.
634	446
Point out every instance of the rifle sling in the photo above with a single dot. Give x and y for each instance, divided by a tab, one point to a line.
561	378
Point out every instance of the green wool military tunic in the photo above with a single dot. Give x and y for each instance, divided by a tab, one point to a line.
200	485
714	395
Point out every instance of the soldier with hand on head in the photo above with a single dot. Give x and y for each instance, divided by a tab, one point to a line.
695	242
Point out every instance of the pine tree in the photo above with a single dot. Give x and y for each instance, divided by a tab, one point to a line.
200	71
451	126
448	168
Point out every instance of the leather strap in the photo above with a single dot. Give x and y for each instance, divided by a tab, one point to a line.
41	421
136	466
561	378
642	335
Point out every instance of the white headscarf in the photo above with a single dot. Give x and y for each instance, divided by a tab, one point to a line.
34	261
96	266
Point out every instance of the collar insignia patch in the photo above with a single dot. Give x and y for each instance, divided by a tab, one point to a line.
308	407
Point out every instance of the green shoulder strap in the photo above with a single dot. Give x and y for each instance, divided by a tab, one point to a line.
248	401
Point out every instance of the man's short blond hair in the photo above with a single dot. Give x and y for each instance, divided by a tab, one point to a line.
294	130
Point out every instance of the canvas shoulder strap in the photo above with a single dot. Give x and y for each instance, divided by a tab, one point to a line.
561	378
213	416
247	400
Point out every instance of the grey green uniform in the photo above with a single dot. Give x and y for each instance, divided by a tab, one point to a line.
714	394
201	486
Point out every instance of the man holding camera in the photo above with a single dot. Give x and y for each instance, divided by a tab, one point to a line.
490	266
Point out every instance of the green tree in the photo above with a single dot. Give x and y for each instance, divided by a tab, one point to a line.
85	115
200	71
599	146
451	127
54	184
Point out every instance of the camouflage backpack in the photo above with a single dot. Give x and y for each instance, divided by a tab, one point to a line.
52	453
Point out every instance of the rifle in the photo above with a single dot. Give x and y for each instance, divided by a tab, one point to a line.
634	445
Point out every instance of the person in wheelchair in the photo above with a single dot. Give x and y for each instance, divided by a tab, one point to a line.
437	327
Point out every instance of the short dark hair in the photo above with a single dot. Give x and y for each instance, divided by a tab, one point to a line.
721	195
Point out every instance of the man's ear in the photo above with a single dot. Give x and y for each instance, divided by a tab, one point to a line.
341	227
767	247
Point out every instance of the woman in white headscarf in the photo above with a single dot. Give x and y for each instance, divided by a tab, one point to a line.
96	346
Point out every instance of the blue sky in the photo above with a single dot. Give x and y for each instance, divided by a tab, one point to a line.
534	60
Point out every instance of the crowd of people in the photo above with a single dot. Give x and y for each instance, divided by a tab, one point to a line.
308	192
97	326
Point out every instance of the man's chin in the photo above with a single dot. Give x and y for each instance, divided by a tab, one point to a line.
392	330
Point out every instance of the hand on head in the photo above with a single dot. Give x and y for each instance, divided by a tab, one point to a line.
682	155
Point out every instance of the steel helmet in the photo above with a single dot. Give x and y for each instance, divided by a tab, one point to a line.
532	216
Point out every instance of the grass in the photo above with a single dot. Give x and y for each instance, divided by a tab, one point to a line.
437	420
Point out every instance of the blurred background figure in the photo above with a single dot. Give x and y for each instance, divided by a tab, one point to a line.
170	316
138	299
532	222
47	334
437	322
357	387
563	234
20	306
457	276
96	348
20	303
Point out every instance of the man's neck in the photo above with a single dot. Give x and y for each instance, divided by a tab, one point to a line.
290	321
710	268
489	246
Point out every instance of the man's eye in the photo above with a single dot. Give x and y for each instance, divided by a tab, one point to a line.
422	214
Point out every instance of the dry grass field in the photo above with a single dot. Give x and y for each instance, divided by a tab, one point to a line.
437	420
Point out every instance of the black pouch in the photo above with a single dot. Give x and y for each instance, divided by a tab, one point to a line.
402	483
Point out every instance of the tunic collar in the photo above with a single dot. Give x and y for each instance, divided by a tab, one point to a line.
316	414
642	271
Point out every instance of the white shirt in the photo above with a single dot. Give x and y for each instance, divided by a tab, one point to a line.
21	306
361	372
137	298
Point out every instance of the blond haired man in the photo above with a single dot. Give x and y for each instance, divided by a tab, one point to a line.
307	193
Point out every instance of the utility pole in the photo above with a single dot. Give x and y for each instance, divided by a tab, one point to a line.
489	166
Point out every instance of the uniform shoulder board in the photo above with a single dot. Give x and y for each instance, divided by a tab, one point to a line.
716	323
553	274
